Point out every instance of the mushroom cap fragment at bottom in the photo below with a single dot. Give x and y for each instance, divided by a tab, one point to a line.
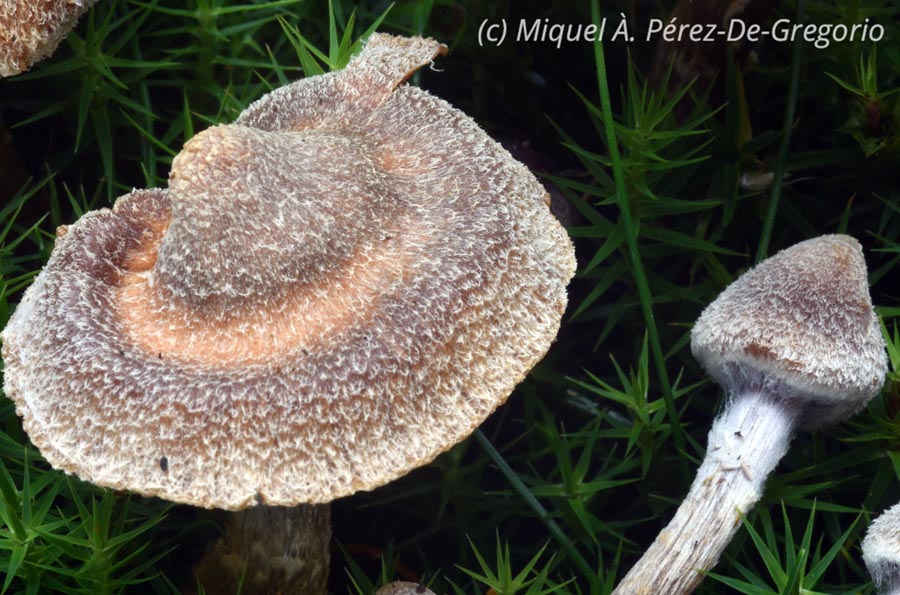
404	588
322	300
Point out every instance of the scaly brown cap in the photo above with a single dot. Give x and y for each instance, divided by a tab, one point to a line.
30	30
333	291
800	326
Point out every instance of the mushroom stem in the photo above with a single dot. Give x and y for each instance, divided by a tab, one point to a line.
745	444
270	549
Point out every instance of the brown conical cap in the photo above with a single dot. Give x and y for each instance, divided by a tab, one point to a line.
333	291
800	326
30	30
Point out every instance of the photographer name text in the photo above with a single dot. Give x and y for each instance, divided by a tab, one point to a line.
544	30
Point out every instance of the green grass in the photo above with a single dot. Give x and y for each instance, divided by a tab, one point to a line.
562	489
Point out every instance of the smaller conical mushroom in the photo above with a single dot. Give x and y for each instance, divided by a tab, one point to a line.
881	551
404	588
795	343
30	31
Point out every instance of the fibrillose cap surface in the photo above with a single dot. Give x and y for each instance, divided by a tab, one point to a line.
30	30
333	290
801	327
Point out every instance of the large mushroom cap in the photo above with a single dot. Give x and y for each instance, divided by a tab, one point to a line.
333	291
30	30
799	325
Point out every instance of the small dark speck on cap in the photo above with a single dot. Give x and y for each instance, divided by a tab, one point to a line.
164	464
160	356
420	589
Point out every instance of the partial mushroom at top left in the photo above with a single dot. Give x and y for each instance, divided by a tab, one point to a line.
30	30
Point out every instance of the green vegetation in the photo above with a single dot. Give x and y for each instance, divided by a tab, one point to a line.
673	195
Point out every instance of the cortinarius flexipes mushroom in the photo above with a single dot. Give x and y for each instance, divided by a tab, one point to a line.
333	290
30	30
795	343
881	551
